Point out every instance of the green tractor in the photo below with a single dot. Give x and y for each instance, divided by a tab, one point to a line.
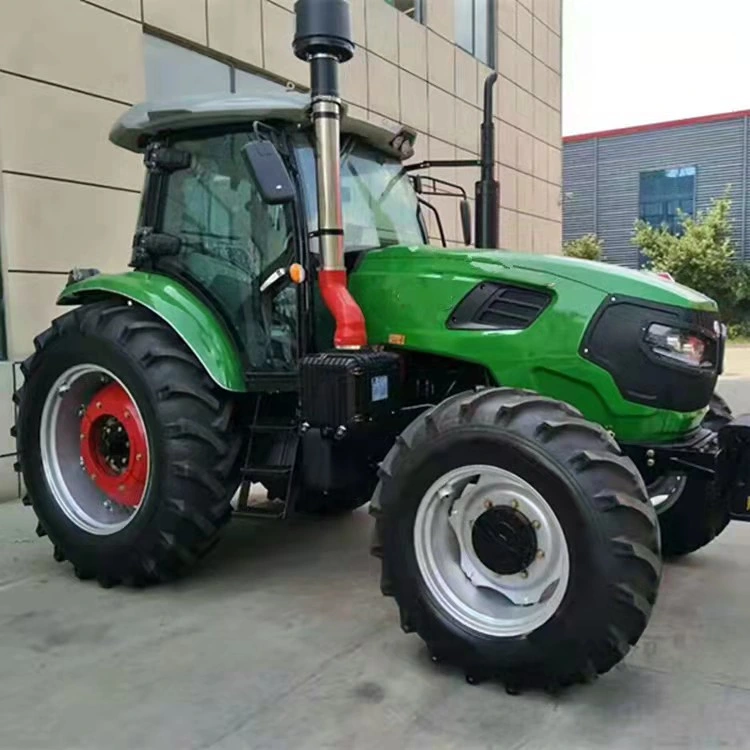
516	422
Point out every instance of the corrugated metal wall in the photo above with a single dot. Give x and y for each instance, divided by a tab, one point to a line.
601	179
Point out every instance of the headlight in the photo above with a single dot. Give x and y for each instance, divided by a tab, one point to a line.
679	345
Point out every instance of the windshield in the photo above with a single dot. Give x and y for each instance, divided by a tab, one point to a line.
379	203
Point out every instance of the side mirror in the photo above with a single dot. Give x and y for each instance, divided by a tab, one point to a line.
416	181
269	173
466	220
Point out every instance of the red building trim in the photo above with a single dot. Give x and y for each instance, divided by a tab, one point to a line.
635	129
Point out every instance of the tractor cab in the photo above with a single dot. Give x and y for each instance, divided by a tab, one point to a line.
206	222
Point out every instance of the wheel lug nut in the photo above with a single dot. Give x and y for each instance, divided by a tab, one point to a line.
93	477
121	488
540	554
536	524
138	456
82	436
524	574
514	505
98	404
488	504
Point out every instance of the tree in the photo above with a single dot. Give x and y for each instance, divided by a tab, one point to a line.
588	247
700	255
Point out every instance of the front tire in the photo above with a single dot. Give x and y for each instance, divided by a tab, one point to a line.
127	448
547	477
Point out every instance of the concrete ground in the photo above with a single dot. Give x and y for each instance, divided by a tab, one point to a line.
282	640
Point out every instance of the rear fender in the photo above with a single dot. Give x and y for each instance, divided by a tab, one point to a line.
190	318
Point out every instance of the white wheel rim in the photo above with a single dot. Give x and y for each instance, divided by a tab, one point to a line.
74	492
466	589
665	491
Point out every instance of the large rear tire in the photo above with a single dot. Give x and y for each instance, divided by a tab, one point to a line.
127	447
690	513
565	582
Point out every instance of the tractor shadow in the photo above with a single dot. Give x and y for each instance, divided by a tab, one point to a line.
263	551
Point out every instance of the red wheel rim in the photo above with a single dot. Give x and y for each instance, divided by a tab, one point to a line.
114	446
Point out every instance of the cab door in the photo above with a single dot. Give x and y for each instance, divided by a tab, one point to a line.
232	247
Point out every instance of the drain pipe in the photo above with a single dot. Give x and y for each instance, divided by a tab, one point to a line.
323	38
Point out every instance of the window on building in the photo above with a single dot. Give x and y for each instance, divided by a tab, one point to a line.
664	193
475	29
413	8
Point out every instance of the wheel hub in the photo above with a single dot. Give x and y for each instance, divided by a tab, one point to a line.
491	550
114	446
504	540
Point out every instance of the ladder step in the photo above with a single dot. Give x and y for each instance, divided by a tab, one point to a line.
258	472
262	509
272	428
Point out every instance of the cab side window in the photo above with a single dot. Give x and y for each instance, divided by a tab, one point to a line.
231	242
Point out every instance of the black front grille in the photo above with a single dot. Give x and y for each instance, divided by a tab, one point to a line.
499	307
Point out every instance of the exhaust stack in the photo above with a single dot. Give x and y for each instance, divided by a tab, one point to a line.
487	194
323	38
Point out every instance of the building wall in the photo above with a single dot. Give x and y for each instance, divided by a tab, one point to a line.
69	68
602	177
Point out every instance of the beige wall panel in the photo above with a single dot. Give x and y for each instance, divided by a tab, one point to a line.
359	31
468	122
508	229
26	321
412	42
442	114
413	92
185	18
506	100
383	87
73	44
525	234
9	480
129	8
508	187
525	152
506	56
54	226
441	18
554	52
541	160
278	32
541	43
555	165
467	71
382	29
7	419
525	193
507	144
441	62
50	131
524	110
353	77
524	28
507	20
524	69
235	29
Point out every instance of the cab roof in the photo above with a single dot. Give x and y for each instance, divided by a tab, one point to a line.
141	123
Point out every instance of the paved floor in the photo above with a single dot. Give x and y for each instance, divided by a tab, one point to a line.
281	640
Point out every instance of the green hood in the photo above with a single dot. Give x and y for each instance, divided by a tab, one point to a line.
544	270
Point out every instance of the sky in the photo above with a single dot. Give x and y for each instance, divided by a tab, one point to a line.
632	62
